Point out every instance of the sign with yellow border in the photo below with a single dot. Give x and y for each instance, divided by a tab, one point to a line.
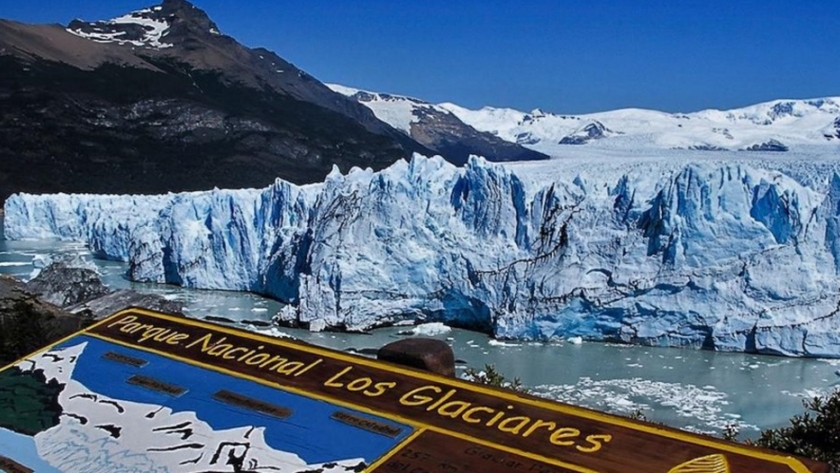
150	391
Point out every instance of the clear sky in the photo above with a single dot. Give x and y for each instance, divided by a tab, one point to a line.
562	56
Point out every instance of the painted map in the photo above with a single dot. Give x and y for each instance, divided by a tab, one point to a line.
89	405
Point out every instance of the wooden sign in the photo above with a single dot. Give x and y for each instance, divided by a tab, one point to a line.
144	391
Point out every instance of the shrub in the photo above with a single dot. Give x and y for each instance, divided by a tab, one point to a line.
814	434
27	325
489	376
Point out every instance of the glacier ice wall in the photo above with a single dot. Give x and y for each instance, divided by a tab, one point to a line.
721	256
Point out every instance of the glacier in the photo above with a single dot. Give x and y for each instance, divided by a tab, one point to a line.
717	254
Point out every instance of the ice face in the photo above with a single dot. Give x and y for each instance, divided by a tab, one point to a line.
727	256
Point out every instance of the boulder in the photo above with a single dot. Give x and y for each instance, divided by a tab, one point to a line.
76	286
426	354
63	284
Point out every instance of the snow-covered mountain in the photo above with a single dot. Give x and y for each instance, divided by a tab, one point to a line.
437	128
770	126
143	28
727	254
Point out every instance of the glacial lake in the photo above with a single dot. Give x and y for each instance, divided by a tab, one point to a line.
691	389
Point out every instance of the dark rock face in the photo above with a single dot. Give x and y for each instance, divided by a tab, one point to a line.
108	304
706	147
592	131
117	107
450	137
446	135
770	145
28	323
526	138
782	109
78	289
62	285
423	353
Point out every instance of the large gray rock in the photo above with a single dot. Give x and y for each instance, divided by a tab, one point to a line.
104	306
770	145
590	132
426	354
64	284
76	287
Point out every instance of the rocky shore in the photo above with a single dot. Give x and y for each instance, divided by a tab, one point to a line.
63	298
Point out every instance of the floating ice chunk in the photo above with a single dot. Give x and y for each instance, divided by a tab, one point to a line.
268	331
500	343
429	329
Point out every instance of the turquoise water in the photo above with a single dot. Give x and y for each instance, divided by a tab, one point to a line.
696	390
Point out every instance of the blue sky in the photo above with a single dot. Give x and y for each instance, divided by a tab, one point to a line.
562	56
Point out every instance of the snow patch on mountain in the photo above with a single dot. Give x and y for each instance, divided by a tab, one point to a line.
142	28
734	255
398	111
437	128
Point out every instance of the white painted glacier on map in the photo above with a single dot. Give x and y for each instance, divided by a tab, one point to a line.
735	255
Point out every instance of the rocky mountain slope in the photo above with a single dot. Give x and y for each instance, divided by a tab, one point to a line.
437	128
160	100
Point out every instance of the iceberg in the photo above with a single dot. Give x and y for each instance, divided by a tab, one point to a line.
728	256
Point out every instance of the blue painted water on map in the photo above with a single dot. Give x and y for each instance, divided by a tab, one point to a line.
309	432
25	450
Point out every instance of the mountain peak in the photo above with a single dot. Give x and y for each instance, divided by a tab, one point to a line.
157	27
186	16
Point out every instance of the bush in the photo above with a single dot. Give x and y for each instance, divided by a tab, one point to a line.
22	330
814	434
490	377
27	326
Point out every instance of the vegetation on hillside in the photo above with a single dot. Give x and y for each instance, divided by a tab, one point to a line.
489	376
27	325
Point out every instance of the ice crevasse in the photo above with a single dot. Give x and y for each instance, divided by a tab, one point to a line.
720	256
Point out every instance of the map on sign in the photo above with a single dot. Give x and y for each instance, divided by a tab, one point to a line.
147	392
